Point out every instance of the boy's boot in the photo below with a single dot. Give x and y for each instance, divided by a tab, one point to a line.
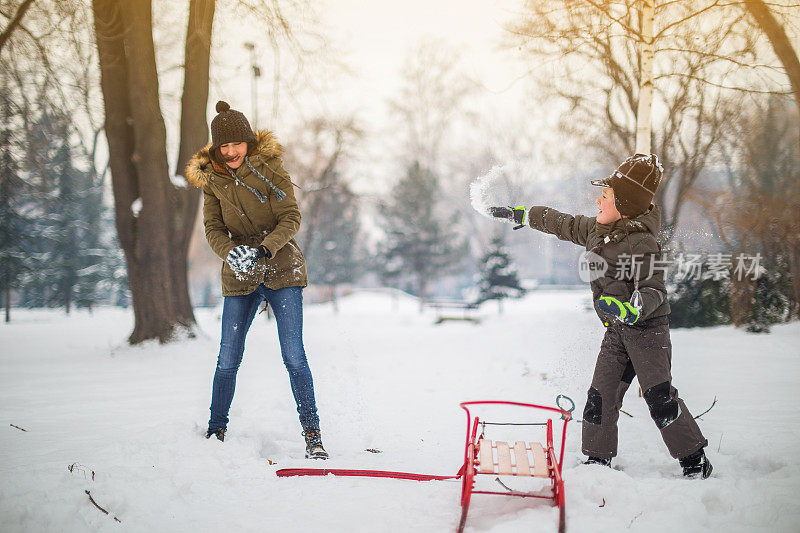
598	461
219	433
696	465
314	449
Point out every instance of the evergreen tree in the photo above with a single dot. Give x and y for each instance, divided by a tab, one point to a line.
695	302
421	243
76	254
69	262
15	259
772	296
332	251
498	278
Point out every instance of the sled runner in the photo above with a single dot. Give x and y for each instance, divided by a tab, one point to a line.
483	456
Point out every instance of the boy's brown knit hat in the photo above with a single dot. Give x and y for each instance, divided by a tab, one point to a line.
635	183
230	126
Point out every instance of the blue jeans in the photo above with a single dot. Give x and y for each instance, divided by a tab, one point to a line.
237	315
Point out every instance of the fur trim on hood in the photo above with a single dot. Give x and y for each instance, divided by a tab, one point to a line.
201	166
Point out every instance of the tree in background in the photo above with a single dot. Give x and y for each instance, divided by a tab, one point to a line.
698	83
755	212
15	223
699	303
498	277
772	19
421	243
330	234
69	258
155	237
334	258
14	21
431	100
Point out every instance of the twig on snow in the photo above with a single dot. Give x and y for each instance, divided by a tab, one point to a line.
707	410
626	413
634	519
95	504
720	441
603	504
19	428
80	467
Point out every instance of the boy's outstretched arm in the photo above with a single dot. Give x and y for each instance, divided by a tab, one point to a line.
564	226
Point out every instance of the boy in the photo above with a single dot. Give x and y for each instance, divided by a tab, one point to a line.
631	301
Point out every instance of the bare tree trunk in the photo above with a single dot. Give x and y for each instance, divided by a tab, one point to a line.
422	289
68	300
643	128
741	300
794	269
137	155
7	294
153	248
109	34
193	136
780	42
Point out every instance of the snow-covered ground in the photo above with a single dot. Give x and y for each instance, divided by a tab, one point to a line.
131	421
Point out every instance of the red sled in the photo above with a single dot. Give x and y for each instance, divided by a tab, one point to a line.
483	456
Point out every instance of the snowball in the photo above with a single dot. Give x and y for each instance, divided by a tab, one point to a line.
492	189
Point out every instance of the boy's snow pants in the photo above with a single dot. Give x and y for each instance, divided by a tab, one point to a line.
646	352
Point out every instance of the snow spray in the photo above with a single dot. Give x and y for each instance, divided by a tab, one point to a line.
492	189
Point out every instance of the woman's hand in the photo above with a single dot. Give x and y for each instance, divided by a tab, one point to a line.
243	258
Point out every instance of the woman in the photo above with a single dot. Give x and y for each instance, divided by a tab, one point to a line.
251	216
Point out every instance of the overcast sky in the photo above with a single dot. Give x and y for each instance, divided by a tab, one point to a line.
374	39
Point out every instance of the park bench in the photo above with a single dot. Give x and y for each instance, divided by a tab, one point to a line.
454	310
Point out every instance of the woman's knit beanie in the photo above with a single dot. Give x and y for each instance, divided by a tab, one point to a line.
635	183
230	126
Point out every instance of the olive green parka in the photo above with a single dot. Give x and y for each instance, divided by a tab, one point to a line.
234	215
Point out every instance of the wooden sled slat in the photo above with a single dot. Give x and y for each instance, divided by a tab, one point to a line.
539	460
485	456
521	456
503	458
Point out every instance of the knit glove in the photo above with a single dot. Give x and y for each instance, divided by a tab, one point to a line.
243	258
625	312
516	215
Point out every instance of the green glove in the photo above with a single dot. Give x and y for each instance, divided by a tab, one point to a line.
624	311
512	214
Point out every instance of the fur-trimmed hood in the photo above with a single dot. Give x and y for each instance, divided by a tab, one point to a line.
200	167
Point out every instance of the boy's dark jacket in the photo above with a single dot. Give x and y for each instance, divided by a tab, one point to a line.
642	231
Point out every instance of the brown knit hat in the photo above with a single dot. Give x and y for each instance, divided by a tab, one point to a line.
635	183
230	126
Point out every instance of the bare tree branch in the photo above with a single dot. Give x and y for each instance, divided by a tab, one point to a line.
15	22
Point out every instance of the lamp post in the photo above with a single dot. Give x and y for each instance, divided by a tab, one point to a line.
256	73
